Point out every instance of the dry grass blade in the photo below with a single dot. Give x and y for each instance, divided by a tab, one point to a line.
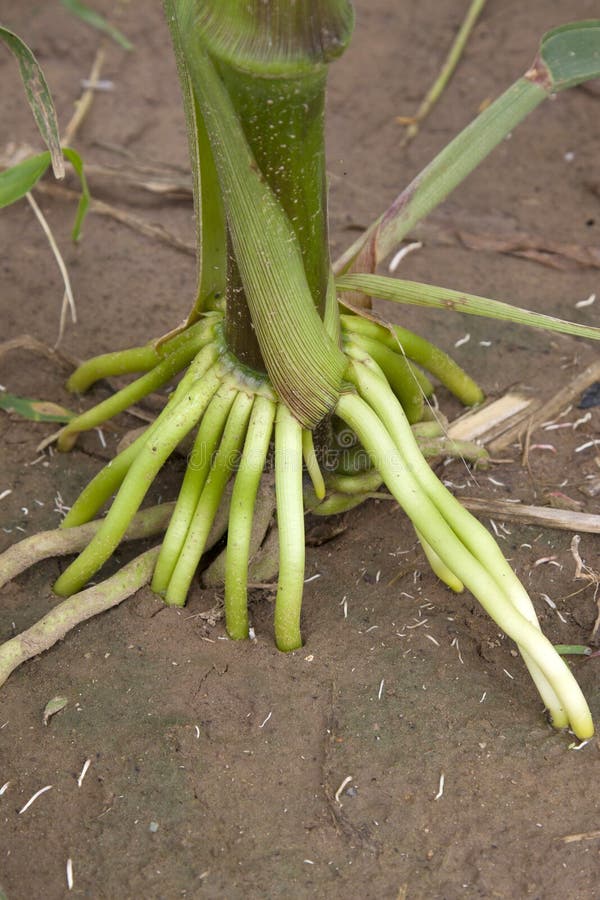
474	233
581	836
492	419
147	178
68	302
83	105
452	59
33	345
586	573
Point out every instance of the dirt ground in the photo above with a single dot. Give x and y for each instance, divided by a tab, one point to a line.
214	765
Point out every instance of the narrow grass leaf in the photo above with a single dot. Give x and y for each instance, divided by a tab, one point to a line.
93	18
84	201
415	294
38	97
567	56
34	410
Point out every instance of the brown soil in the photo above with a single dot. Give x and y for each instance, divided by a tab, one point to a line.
215	765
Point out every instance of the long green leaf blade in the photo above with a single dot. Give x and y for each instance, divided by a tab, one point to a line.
445	172
568	56
211	234
93	18
417	294
38	97
19	180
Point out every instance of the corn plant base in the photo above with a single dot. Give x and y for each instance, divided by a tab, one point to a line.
243	429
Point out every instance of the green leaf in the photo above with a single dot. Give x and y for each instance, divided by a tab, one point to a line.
211	232
38	96
84	201
93	18
570	54
34	410
18	180
416	294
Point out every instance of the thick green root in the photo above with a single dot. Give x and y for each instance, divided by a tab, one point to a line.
181	352
242	514
465	549
237	420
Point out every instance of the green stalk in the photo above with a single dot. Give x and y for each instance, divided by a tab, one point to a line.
148	462
241	515
356	353
476	537
421	351
283	37
271	194
283	122
264	510
364	483
290	525
445	543
210	498
335	504
211	232
107	365
198	468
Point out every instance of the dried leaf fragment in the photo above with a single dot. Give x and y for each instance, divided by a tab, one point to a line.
54	706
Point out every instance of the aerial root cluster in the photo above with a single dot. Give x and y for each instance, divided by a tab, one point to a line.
242	433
